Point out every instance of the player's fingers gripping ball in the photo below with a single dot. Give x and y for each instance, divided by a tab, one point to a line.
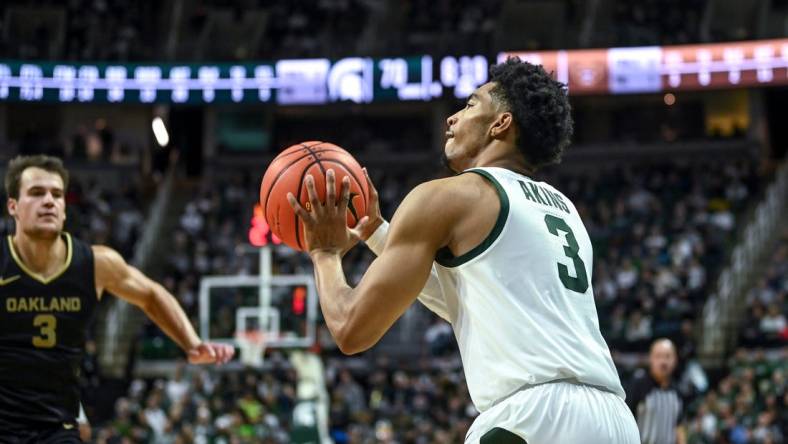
286	174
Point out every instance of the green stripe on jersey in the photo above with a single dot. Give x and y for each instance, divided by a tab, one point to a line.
445	257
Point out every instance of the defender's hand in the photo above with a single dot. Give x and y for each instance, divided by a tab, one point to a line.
209	353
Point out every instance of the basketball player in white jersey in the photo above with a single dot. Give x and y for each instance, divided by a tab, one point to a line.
504	258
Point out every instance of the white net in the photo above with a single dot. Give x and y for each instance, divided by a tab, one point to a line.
251	344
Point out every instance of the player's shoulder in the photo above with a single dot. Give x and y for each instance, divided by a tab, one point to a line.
459	189
109	265
102	250
439	202
105	256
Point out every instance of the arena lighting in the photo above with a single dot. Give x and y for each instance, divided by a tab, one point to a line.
160	132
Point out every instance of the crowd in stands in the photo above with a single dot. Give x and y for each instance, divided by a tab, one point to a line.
117	30
106	215
446	26
674	22
660	234
765	323
80	30
205	407
99	213
390	402
393	403
360	133
383	403
303	28
749	405
94	142
131	31
111	30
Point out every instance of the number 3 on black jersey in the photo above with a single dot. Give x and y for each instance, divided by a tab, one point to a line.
47	337
579	283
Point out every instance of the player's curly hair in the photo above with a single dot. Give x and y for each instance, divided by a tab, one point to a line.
539	106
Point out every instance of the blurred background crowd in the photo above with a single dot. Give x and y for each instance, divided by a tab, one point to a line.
665	189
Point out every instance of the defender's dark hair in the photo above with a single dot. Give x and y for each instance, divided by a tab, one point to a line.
19	164
539	106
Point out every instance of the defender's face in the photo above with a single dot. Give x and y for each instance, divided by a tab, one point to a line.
40	210
469	128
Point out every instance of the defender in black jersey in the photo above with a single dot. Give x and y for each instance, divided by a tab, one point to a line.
50	284
42	331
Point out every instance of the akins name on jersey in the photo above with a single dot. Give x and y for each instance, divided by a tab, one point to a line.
541	195
40	304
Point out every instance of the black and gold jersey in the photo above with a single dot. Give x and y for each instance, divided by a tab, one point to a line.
43	324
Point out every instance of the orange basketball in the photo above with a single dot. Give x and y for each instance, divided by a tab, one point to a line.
287	173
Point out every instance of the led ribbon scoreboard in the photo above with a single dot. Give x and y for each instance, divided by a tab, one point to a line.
283	82
367	80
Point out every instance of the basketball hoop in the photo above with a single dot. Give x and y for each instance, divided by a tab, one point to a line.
252	346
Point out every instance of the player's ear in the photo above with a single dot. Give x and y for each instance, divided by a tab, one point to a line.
11	206
502	123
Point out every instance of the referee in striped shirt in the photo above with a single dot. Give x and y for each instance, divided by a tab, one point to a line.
655	400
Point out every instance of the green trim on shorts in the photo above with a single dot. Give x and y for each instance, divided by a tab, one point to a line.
501	436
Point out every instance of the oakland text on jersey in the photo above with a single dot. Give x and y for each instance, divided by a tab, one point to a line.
541	195
40	304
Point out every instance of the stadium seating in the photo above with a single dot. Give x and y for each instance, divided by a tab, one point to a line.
661	230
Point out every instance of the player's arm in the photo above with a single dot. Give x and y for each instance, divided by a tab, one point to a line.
375	234
128	283
358	317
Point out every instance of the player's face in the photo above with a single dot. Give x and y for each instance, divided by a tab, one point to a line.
469	128
40	210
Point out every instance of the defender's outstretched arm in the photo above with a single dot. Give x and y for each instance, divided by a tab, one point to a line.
130	284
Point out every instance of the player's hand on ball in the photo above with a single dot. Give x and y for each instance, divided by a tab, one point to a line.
367	228
210	353
325	226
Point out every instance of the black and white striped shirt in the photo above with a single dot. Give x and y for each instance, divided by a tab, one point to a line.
658	410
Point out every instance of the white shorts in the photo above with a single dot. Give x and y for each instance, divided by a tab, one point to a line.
558	412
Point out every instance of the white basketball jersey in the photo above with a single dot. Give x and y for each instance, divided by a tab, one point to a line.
521	303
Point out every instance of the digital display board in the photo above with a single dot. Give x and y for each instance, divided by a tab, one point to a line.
666	68
420	78
284	82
